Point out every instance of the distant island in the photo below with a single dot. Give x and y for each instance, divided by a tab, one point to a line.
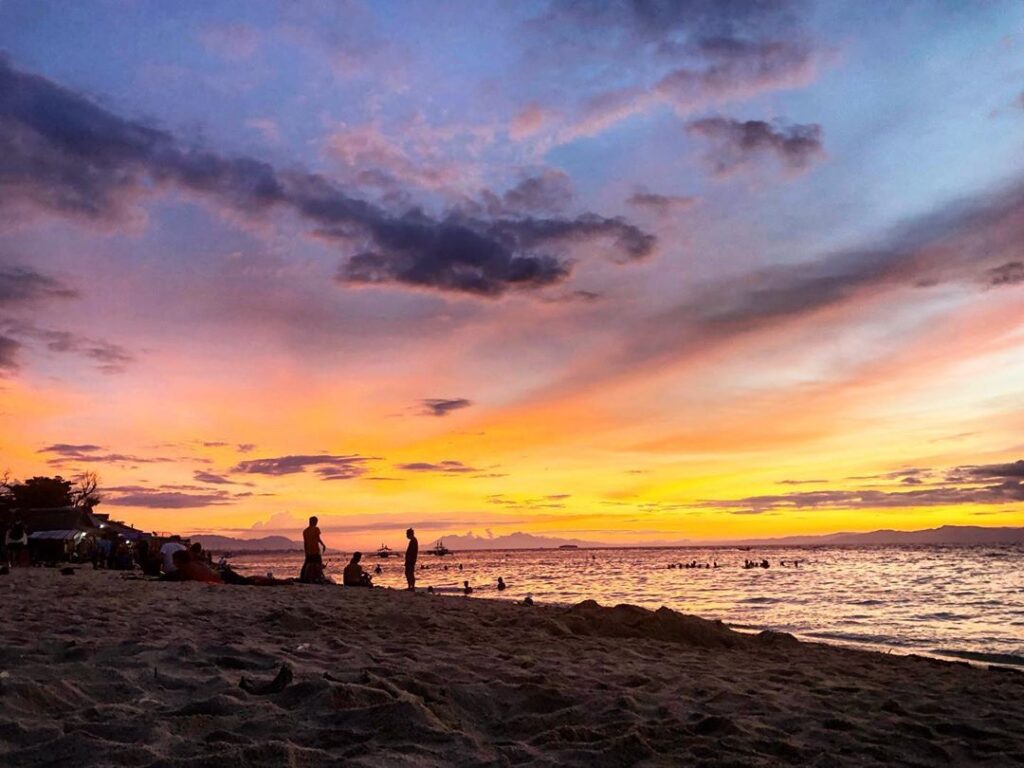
946	534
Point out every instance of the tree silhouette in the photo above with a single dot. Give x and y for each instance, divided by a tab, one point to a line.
49	492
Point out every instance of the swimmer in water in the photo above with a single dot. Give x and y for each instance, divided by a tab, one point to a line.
501	584
466	589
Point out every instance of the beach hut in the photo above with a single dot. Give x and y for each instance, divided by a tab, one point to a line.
55	546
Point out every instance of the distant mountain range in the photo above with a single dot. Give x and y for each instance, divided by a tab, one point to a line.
516	540
946	534
231	544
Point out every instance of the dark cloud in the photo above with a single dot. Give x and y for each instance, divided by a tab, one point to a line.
66	453
21	285
988	471
801	482
737	143
442	407
164	497
451	257
69	449
212	477
1011	273
108	357
327	466
442	467
24	285
963	485
245	447
661	204
62	153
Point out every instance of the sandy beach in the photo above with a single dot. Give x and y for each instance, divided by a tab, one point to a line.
98	669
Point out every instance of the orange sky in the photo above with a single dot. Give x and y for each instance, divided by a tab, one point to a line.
730	277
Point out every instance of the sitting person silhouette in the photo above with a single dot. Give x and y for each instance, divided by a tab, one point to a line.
354	575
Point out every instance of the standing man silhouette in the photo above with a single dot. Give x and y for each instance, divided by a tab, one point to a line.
313	568
411	553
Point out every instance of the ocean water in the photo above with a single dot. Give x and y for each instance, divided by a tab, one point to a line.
962	602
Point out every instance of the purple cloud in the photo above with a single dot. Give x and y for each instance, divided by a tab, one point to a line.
442	406
62	153
327	466
447	467
737	143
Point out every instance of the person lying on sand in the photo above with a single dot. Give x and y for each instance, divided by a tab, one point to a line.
354	575
187	569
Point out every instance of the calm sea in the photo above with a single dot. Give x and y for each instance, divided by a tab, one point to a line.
965	602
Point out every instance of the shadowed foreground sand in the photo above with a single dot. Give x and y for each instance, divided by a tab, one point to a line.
96	669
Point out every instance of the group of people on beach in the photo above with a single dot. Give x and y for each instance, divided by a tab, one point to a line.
353	575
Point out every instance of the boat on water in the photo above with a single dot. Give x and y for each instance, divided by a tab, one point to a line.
440	549
384	551
569	546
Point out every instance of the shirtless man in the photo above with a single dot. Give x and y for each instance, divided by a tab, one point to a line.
411	553
314	547
354	575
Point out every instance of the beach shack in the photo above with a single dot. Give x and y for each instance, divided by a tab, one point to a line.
58	534
62	534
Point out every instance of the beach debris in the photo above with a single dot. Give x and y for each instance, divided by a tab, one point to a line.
279	683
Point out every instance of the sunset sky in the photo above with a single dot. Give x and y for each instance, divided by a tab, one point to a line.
624	271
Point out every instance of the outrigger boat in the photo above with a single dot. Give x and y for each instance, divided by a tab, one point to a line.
440	549
384	551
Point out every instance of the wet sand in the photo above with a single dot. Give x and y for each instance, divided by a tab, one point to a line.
97	669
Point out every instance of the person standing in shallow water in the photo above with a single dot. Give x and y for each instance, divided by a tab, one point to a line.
411	553
314	547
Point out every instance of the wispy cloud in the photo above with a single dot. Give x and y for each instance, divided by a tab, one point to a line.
327	466
736	144
443	406
60	454
446	467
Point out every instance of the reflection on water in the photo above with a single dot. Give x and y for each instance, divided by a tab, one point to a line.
960	600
